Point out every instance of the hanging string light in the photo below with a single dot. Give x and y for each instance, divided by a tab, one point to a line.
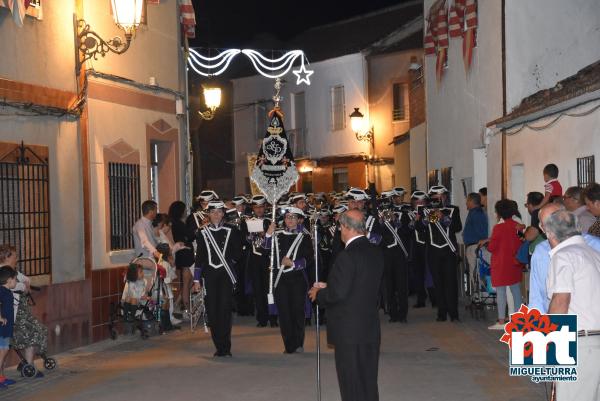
272	68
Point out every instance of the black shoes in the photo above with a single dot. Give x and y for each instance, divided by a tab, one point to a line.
274	323
441	319
222	354
419	305
261	324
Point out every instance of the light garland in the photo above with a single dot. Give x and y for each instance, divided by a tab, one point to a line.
267	67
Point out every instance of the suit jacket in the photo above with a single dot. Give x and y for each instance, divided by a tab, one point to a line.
352	294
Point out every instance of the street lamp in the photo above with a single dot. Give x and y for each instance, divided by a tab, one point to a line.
212	99
127	15
357	122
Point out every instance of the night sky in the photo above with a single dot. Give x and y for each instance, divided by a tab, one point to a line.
223	23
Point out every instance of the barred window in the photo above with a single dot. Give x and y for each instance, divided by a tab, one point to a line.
585	171
432	178
338	108
399	102
25	211
340	179
124	195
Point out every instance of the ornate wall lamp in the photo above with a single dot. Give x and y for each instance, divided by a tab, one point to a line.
357	122
127	15
212	99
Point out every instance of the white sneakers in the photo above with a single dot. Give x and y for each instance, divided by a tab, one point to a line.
497	326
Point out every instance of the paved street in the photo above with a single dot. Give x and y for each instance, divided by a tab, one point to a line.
423	360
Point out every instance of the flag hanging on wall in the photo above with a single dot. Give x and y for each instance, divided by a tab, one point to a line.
470	33
188	18
456	18
442	41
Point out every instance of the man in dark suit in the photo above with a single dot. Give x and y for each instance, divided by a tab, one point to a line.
350	297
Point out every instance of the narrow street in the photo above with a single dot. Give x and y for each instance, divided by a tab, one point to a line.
423	360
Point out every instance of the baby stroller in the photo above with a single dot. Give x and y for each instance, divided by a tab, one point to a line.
483	295
26	369
198	308
146	315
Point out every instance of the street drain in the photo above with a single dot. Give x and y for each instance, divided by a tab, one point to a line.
432	349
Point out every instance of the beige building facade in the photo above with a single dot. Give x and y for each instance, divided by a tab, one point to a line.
94	141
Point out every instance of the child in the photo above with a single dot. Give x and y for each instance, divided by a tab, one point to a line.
168	263
135	291
8	281
552	188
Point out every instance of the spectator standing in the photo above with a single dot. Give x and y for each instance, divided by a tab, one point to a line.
506	270
8	281
476	229
143	234
534	200
592	201
540	262
574	203
573	282
483	194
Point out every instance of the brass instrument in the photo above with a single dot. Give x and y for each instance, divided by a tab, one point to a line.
433	216
387	215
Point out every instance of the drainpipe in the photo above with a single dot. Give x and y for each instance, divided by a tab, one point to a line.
504	169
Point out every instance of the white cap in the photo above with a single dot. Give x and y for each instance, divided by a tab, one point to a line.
239	200
207	195
398	191
418	195
215	204
258	200
357	194
437	190
294	210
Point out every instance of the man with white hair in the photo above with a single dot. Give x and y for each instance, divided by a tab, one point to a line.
573	282
540	262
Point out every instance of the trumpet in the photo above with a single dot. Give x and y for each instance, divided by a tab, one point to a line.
433	215
387	215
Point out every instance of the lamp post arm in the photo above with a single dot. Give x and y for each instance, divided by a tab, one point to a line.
91	45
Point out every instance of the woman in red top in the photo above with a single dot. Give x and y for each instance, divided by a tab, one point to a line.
506	270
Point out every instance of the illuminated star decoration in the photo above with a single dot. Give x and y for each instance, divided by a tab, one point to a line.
302	74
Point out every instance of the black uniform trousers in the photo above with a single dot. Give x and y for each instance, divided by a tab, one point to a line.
396	282
219	303
443	264
259	271
357	368
290	297
243	302
420	263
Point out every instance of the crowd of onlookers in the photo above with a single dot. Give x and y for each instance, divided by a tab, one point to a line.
560	252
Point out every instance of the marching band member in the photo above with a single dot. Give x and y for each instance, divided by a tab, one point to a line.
258	265
218	251
443	223
395	253
419	200
293	254
356	200
237	217
336	241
